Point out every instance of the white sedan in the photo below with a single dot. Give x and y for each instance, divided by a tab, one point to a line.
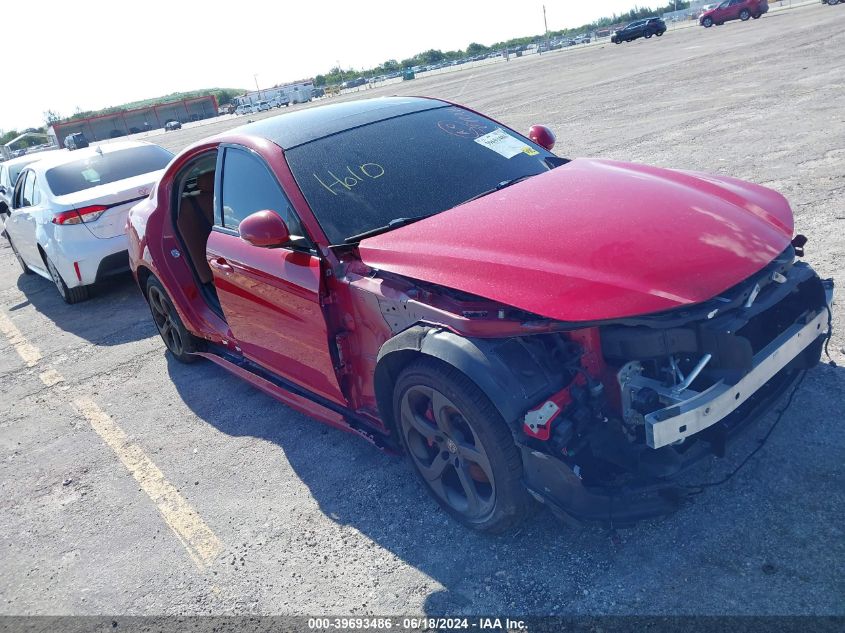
69	209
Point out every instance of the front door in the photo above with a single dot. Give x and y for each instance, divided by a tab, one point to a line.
269	296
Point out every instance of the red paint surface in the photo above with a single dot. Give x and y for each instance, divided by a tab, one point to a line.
271	299
595	240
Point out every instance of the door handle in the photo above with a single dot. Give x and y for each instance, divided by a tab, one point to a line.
220	264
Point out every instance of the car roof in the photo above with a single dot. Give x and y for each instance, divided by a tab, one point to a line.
303	126
63	156
25	159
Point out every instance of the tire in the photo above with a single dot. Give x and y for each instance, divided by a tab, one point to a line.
24	268
744	15
757	15
707	23
648	35
179	342
70	295
660	33
460	447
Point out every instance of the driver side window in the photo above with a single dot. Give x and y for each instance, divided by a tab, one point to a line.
247	187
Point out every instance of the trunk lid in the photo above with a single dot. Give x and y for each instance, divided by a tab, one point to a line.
118	196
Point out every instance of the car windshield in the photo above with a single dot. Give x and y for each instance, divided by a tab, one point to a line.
96	170
409	166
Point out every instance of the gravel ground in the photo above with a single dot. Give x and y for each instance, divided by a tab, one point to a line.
311	521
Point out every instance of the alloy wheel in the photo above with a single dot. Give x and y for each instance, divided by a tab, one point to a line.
447	452
164	315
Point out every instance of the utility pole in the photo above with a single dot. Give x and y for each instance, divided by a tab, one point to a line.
255	76
545	27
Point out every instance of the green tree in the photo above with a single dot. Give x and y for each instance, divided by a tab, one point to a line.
477	49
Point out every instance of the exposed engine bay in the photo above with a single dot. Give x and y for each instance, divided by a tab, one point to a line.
671	388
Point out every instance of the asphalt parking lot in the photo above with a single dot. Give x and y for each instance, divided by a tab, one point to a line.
112	453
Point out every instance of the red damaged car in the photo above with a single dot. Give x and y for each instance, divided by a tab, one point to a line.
525	327
733	10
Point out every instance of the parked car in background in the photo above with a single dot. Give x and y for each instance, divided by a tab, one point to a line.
733	10
68	212
831	2
408	292
9	172
262	106
244	109
279	101
172	125
639	28
75	141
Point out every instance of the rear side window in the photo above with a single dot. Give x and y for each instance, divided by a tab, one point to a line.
28	191
248	186
101	169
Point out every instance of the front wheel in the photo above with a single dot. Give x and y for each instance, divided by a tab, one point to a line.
70	295
744	15
460	447
707	23
659	33
757	15
175	335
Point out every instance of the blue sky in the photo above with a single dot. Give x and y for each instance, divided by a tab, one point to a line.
100	53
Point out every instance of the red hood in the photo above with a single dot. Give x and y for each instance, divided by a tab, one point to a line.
595	239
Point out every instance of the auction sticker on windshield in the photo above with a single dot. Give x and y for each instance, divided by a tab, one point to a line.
504	144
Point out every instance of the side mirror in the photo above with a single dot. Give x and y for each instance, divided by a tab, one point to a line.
3	189
265	229
543	136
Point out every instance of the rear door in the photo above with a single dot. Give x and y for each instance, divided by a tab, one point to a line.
734	9
21	224
271	297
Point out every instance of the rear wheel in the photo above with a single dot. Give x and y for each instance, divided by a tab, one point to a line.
648	35
659	33
70	295
460	447
24	267
180	343
744	15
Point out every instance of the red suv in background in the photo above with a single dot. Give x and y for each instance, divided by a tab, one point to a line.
733	10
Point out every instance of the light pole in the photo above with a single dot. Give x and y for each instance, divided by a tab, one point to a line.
545	25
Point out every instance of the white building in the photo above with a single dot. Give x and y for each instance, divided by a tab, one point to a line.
300	92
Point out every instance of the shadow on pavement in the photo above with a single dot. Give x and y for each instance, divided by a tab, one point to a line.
115	313
697	561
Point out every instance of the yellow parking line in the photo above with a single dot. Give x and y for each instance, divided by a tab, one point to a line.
28	352
201	543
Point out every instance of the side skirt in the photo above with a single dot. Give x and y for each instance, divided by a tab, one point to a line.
299	398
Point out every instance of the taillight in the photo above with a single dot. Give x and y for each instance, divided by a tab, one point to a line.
78	216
